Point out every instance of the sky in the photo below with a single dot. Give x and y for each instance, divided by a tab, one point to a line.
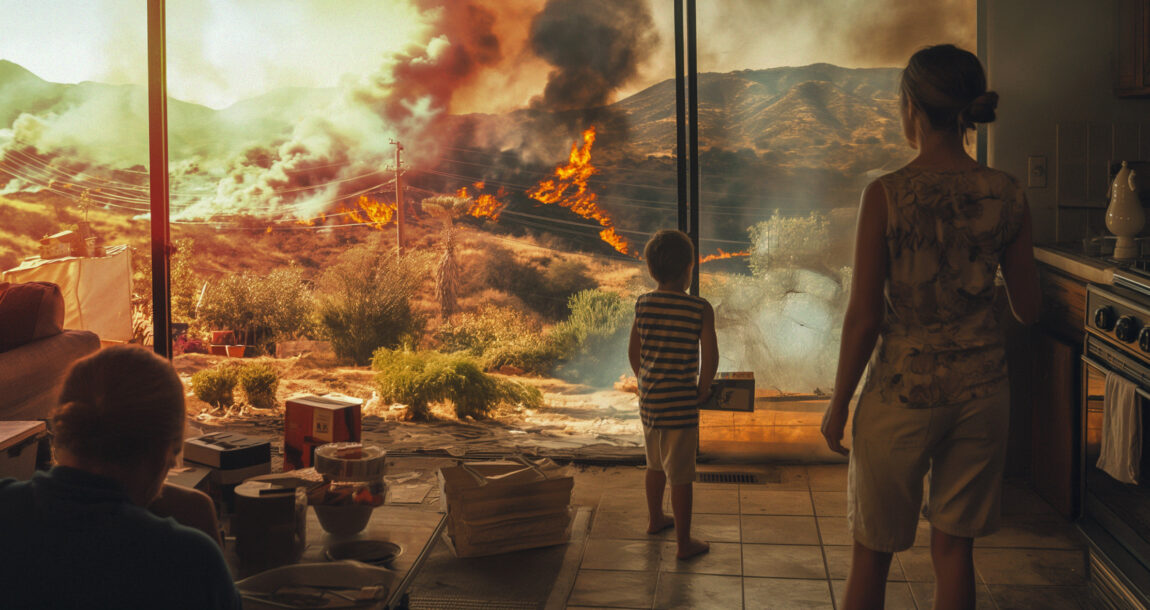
222	51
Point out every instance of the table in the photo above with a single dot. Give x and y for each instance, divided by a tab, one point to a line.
415	530
97	290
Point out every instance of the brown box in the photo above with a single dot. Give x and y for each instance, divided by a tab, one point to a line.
18	445
732	392
496	507
311	421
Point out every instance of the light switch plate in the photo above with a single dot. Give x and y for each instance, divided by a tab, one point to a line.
1036	171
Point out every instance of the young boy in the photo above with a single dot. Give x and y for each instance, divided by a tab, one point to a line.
670	327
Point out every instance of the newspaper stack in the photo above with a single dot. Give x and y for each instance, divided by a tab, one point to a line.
496	507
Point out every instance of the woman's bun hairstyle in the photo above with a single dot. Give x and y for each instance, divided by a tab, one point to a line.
120	405
981	110
948	85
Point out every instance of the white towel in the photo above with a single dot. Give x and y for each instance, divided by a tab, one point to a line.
1121	451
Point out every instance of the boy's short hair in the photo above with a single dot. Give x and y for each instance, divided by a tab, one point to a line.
669	254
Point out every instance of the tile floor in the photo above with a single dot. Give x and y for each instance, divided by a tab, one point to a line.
783	543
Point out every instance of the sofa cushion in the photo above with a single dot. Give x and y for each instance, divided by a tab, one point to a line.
28	312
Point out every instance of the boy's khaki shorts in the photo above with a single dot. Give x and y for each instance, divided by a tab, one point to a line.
961	447
672	451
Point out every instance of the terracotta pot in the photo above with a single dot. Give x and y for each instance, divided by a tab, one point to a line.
219	350
221	337
236	351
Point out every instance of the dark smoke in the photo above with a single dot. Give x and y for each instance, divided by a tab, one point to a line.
596	47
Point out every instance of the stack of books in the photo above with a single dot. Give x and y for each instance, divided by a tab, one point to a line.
496	507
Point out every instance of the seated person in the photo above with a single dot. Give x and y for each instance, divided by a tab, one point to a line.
79	535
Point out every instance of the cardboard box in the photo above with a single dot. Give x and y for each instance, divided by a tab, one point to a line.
228	451
18	444
732	392
311	421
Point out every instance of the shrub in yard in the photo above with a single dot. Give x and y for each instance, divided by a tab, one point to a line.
544	284
259	382
418	379
476	333
215	386
530	353
265	308
364	301
592	341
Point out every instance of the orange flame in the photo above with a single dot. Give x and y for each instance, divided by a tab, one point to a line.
569	189
311	222
485	205
371	212
721	255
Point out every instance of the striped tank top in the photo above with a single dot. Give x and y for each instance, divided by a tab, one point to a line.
669	325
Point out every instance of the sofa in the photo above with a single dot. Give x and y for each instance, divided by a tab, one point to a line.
35	351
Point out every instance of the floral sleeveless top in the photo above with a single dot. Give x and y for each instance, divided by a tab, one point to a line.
940	342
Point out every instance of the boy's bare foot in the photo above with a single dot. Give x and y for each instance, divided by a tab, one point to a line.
660	524
694	547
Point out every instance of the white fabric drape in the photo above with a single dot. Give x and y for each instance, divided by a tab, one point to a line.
1121	450
97	290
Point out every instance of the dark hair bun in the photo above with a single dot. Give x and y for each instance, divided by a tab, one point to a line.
981	109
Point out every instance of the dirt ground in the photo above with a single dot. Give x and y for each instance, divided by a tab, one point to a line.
576	422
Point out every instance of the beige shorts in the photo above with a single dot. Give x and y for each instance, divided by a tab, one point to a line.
962	448
672	451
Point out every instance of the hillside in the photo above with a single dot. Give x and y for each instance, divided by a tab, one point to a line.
793	139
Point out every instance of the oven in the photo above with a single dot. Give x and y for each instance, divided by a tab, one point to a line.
1116	516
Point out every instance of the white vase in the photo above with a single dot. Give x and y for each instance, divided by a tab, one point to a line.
1125	217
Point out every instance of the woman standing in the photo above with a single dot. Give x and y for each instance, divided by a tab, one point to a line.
930	239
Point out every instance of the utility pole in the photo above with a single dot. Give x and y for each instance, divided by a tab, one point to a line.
399	233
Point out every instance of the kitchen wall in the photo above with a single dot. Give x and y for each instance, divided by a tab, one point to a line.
1052	63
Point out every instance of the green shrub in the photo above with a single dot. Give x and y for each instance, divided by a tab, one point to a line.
476	333
364	301
215	386
530	353
418	379
185	282
259	382
260	308
544	284
592	341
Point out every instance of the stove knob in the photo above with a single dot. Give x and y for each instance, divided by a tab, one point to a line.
1104	317
1126	329
1144	340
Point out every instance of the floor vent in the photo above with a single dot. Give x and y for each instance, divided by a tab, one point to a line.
726	477
462	603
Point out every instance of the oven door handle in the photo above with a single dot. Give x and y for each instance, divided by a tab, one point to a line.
1102	367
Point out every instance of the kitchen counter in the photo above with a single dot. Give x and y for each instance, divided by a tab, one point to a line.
1064	258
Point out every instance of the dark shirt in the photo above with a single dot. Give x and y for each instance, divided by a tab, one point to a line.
72	539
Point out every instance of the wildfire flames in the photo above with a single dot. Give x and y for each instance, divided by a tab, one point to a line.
371	212
722	255
569	189
485	205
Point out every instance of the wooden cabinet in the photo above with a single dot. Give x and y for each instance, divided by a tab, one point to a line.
1132	78
1047	402
1056	421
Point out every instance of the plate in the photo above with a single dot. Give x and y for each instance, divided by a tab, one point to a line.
374	552
345	584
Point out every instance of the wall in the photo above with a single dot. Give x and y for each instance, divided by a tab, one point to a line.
1051	62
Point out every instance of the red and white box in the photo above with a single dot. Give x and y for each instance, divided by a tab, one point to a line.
311	421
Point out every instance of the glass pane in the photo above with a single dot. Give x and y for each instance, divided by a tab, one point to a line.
73	160
525	150
798	112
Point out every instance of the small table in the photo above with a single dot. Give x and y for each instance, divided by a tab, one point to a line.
415	530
